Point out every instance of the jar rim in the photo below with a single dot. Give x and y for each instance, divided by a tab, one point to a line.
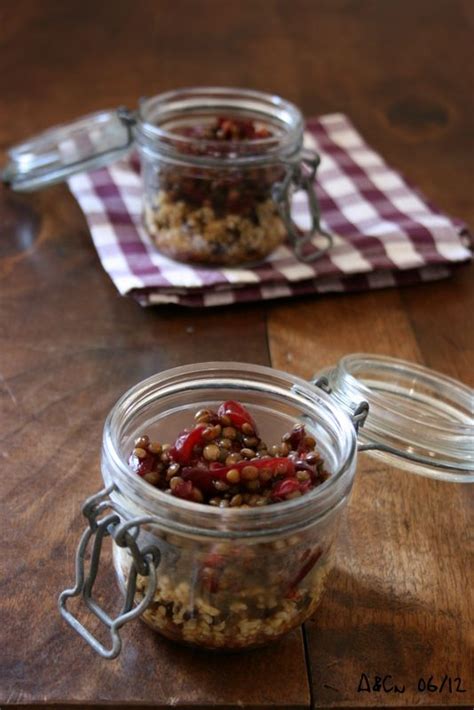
292	514
152	138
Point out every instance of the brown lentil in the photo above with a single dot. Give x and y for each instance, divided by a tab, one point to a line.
209	434
142	442
211	452
202	416
249	473
303	476
152	477
233	458
233	476
139	453
251	442
154	447
197	495
173	469
229	432
247	453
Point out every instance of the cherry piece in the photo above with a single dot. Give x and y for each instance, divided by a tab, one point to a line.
184	490
297	439
183	448
285	488
237	414
202	477
303	571
141	466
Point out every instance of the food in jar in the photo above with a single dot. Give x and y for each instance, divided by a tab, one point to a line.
231	594
222	461
222	215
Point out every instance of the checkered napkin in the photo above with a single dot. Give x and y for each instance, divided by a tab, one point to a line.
385	232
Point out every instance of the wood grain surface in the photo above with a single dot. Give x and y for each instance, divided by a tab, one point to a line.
399	601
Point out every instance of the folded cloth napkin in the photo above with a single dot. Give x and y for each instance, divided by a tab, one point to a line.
385	232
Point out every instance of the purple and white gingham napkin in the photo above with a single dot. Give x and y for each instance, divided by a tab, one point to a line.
386	233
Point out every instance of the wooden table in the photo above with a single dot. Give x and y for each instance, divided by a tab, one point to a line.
399	600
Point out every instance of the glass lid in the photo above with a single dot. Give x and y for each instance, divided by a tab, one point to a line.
88	143
419	419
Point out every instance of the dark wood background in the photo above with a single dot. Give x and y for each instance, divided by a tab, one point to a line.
399	601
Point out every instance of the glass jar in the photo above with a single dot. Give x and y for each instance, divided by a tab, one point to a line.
231	578
219	166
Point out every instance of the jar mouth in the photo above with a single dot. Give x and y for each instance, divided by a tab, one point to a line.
188	388
413	410
160	116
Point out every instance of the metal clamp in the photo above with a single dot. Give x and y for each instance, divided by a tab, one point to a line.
302	176
144	562
358	414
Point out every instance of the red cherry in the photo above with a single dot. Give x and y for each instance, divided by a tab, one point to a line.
184	490
144	465
183	448
304	570
202	477
237	414
285	488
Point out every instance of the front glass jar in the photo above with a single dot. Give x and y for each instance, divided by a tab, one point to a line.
227	578
233	578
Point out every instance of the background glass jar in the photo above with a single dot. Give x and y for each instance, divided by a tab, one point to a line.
219	167
222	201
217	577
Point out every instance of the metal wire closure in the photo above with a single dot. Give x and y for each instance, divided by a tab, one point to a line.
302	176
358	415
144	562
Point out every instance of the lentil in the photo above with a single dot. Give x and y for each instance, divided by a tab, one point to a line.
233	458
154	447
248	473
202	415
247	453
233	476
229	432
139	453
142	442
211	452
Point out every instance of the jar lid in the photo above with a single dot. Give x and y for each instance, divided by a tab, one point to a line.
419	419
89	142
